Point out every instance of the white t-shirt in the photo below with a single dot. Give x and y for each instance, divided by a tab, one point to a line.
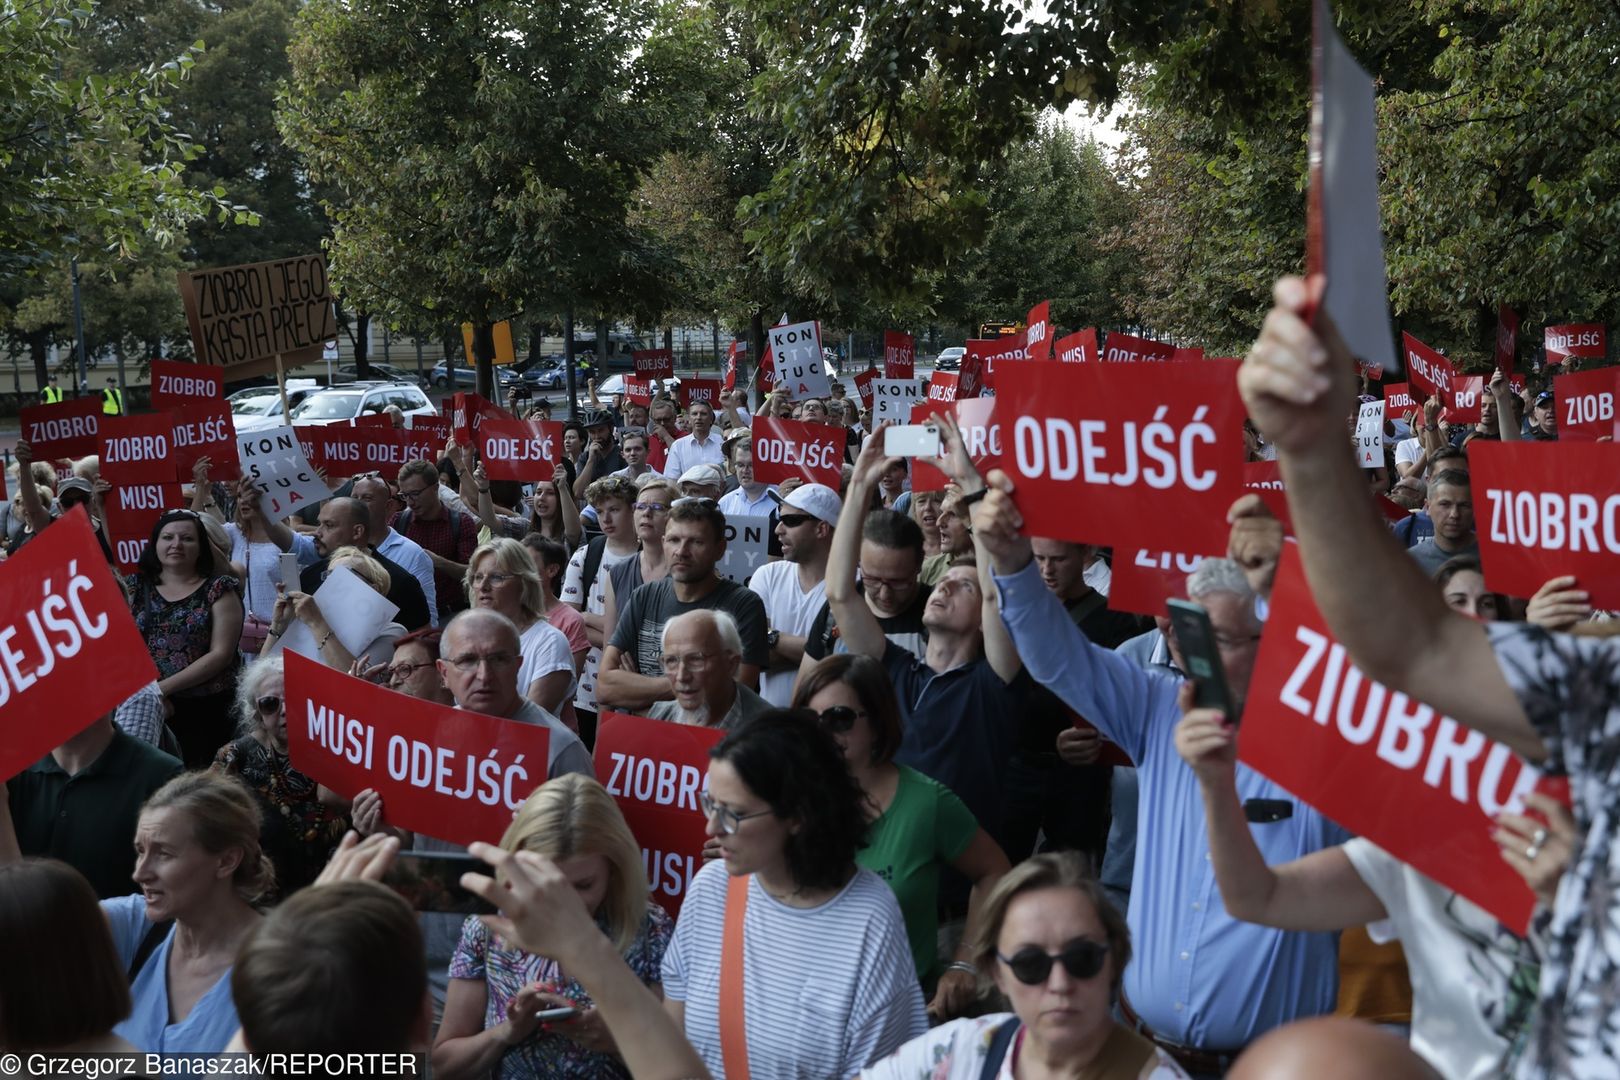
830	989
1466	1006
790	610
545	649
595	604
1099	575
263	562
957	1051
1407	451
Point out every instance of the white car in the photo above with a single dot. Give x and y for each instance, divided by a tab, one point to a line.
338	403
259	408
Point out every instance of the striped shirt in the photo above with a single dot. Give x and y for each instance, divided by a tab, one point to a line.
829	989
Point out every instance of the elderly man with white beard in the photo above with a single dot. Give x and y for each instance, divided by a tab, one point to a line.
702	654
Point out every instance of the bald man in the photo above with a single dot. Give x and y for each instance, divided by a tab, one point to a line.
344	522
1330	1048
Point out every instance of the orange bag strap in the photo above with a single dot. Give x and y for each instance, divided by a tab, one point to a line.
733	1031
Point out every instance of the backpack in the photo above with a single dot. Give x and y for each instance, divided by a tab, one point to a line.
593	563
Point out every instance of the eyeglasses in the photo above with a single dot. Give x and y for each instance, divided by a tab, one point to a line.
695	662
270	704
695	500
411	496
839	719
1082	959
793	521
469	663
494	581
886	584
402	671
652	507
726	820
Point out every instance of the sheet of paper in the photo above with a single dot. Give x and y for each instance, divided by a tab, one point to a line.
354	610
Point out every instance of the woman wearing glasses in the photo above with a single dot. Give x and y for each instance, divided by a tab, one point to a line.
917	825
1056	949
501	576
824	983
655	494
299	831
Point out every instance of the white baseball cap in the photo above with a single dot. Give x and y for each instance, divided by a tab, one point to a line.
817	500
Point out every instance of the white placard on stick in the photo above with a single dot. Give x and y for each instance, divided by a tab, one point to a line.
747	546
892	399
1370	435
274	460
796	352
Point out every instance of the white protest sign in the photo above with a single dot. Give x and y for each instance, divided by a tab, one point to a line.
354	611
1370	435
747	545
892	399
796	352
274	460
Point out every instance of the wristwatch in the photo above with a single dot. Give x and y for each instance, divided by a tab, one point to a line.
772	637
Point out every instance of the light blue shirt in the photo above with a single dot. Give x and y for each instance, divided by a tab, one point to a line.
207	1029
1198	976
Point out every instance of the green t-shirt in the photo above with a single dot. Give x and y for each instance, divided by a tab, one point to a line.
925	826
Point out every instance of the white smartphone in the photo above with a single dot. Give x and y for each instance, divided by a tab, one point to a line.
911	440
289	570
557	1014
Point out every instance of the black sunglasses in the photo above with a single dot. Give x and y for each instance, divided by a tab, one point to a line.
838	719
1082	959
793	521
269	704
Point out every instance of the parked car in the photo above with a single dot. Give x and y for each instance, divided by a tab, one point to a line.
348	373
950	359
259	407
339	403
614	385
467	378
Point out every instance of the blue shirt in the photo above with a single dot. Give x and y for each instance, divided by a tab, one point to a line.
1198	977
207	1029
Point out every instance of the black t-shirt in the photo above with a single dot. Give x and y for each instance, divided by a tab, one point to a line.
404	591
905	629
639	633
1045	715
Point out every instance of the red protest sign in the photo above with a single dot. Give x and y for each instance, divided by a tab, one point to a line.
655	771
1129	347
205	429
175	383
1124	454
1078	348
444	772
863	386
1038	332
657	453
1585	404
731	363
372	420
137	449
986	353
1429	371
637	391
704	390
942	386
468	411
981	434
1375	761
1143	580
72	650
127	552
349	449
1589	340
653	363
68	429
789	449
520	449
1398	402
132	509
1507	338
1264	478
899	355
438	427
1544	509
1467	395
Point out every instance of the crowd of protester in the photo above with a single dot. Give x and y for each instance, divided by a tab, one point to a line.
963	819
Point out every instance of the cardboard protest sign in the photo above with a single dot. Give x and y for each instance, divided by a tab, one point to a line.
1467	398
796	353
132	509
1507	338
346	450
892	399
748	538
943	386
501	334
785	449
520	449
1584	401
1370	435
970	376
1399	401
274	460
987	353
863	386
1143	580
1038	332
1124	454
1430	372
899	355
444	772
1545	509
242	317
468	411
1589	340
1078	348
655	770
653	363
137	449
205	429
704	390
68	429
175	383
1124	348
72	650
1377	762
1344	239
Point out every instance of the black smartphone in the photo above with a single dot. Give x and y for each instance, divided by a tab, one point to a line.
1195	636
431	881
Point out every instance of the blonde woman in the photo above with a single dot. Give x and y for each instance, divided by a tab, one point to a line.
302	606
495	988
502	576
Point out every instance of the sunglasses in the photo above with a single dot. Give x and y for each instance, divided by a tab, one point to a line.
838	719
1082	959
793	521
269	704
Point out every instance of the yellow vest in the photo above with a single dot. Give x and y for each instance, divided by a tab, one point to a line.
112	401
52	394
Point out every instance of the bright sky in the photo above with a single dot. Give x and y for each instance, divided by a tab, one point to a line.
1102	128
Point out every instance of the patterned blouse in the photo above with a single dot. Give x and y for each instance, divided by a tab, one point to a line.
505	971
299	832
178	632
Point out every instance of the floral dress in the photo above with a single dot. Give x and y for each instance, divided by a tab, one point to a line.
504	970
179	632
299	832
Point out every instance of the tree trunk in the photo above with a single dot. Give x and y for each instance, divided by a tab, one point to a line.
362	345
39	349
756	352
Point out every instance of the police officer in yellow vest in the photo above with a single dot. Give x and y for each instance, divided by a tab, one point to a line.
112	399
52	394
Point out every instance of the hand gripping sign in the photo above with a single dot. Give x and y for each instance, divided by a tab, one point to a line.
205	429
520	449
444	772
655	771
1430	372
1124	454
653	363
981	434
274	460
69	648
1377	762
68	429
899	355
1546	509
790	449
796	352
1588	340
